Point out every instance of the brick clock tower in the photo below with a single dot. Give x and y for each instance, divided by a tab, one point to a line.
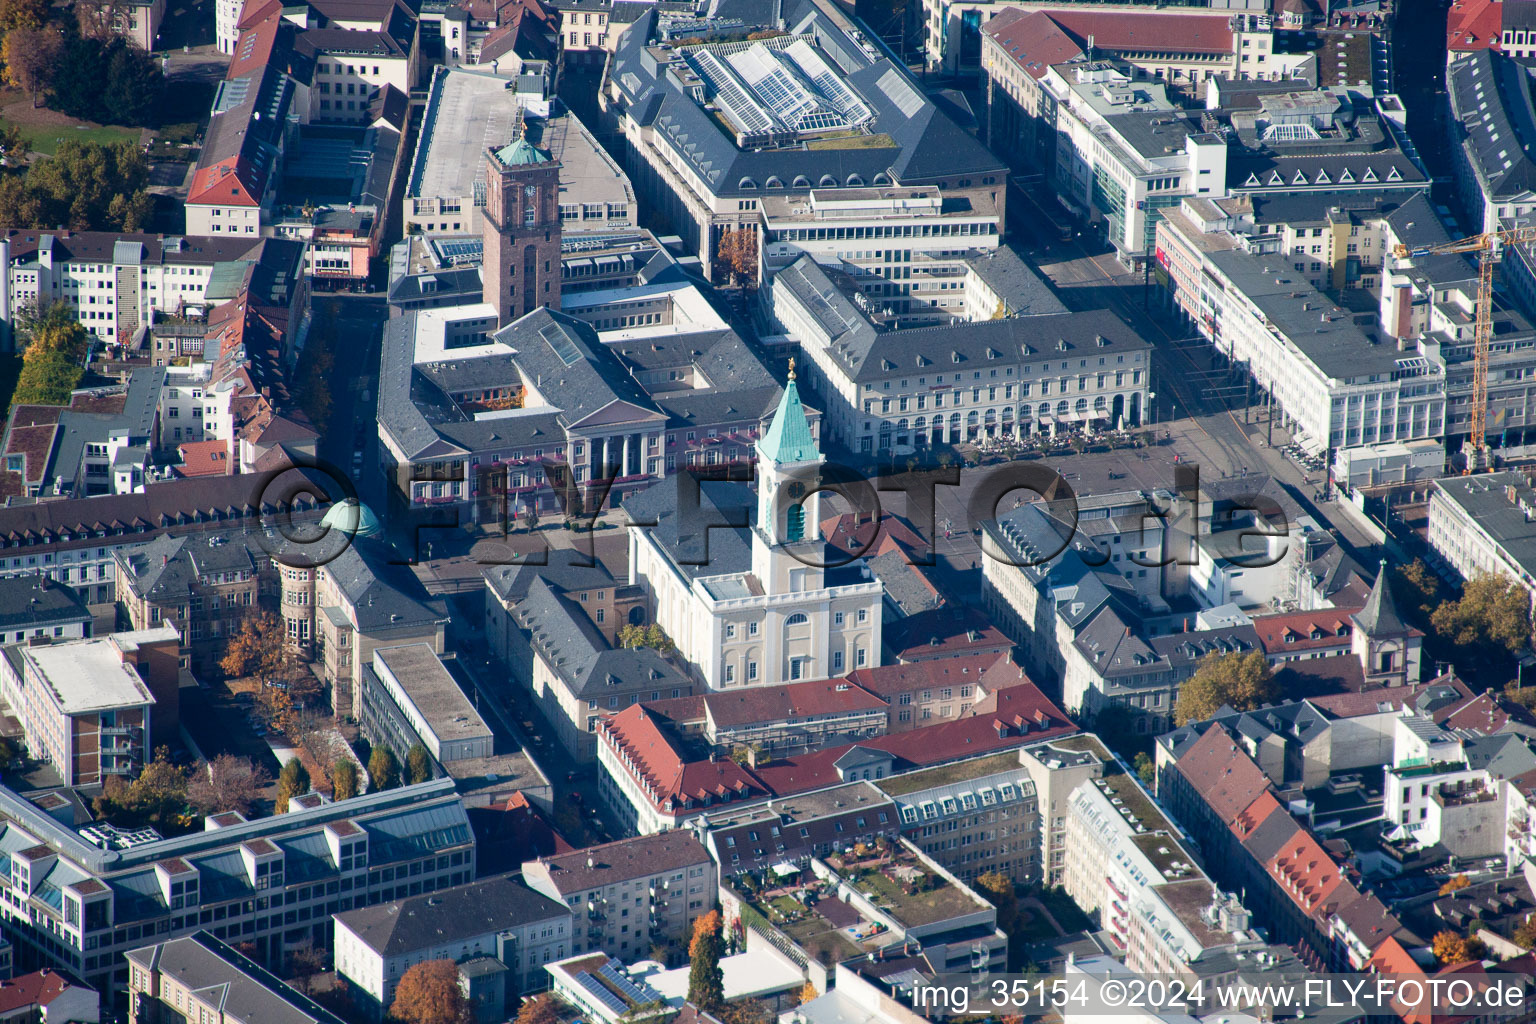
521	267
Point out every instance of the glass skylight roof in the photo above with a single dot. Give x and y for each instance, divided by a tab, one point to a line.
762	89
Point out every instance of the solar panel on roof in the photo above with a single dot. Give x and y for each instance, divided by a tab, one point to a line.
601	993
638	994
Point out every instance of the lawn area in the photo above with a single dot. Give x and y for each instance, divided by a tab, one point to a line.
1067	913
919	909
44	138
852	141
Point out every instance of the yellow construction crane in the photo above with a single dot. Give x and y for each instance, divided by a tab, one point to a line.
1490	246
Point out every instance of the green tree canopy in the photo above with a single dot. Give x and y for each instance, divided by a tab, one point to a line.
86	186
706	981
343	779
383	769
418	764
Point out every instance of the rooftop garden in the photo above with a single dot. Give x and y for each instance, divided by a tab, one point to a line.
898	883
790	907
943	775
852	140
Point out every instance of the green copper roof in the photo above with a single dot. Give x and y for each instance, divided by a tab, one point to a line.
352	517
521	153
789	437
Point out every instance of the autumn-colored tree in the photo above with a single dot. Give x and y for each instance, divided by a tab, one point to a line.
746	1011
1146	768
383	770
1453	883
1417	588
1524	934
706	981
32	58
1449	948
998	889
538	1009
738	251
227	783
22	14
807	993
343	779
257	648
53	359
429	993
292	781
157	797
1241	681
1494	611
304	962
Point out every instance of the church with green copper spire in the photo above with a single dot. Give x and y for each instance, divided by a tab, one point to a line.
788	439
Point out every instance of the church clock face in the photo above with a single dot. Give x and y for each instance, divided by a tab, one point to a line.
797	490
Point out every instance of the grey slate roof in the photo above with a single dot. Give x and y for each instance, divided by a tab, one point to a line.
1504	756
868	354
925	144
564	569
1379	617
586	378
458	914
904	583
164	569
713	539
1494	121
384	593
567	639
1021	287
39	601
1340	349
242	991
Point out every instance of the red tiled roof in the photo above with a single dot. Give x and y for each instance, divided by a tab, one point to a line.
225	184
943	633
665	775
1301	631
1482	713
1254	815
204	458
796	700
1304	871
511	831
1370	702
890	680
1474	25
1148	33
1023	715
1222	774
853	534
1032	39
36	989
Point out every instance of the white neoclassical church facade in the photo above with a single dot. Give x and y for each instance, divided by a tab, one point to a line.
778	618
